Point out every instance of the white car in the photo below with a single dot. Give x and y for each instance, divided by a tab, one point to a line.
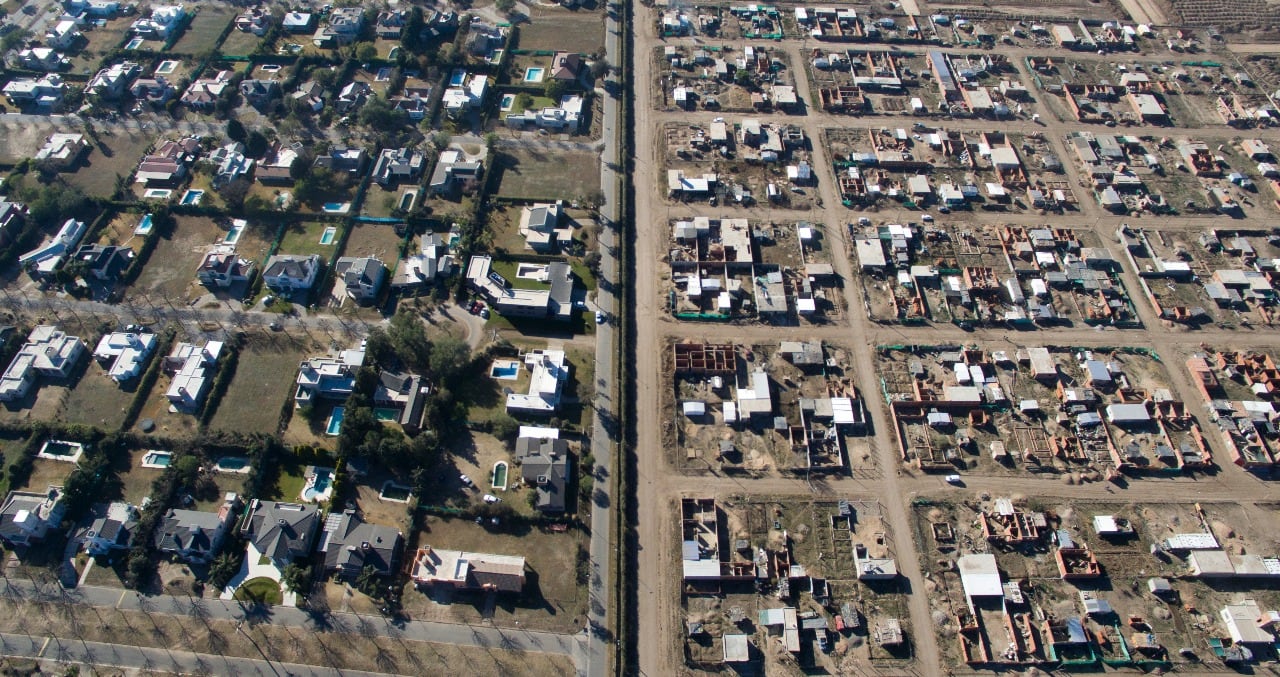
467	481
953	479
490	498
599	317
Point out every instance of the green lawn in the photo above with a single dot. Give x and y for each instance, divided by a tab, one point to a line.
537	103
303	238
507	269
262	590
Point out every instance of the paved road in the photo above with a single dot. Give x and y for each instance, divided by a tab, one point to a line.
604	442
423	631
63	651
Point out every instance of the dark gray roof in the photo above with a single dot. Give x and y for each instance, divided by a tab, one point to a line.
296	267
109	260
281	531
191	531
362	270
544	463
561	277
350	544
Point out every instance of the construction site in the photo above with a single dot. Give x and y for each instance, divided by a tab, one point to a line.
787	408
1088	415
803	584
1087	585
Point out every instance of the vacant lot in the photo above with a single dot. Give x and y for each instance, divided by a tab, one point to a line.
171	270
303	238
46	473
552	599
557	29
135	481
97	400
374	239
239	43
115	155
167	423
263	381
535	174
119	231
204	30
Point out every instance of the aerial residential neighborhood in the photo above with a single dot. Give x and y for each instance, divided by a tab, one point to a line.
608	338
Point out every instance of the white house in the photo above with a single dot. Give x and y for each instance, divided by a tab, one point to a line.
164	20
362	277
221	268
63	35
191	369
565	117
540	226
327	377
458	101
47	352
62	149
548	371
43	59
47	257
113	81
125	352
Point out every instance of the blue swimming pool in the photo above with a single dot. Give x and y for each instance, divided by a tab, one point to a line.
327	236
192	197
318	489
534	74
337	207
144	226
457	77
505	371
234	235
335	421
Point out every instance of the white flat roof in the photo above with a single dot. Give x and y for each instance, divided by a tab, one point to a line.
980	576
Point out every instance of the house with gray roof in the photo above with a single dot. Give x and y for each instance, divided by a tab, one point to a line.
403	393
27	516
362	277
281	531
195	536
349	544
545	465
287	273
108	528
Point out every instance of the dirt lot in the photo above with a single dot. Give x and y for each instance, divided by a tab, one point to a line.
557	29
378	240
171	270
552	600
239	43
264	380
98	400
117	154
536	174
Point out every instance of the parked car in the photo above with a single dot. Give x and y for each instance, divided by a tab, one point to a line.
467	481
599	317
954	479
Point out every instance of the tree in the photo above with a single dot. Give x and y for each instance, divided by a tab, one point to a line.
743	78
318	185
236	130
14	40
449	358
505	6
366	52
223	567
256	144
367	581
600	68
234	194
379	116
187	468
524	101
441	140
554	89
505	428
296	577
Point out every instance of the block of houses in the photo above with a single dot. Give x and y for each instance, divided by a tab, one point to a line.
343	27
398	164
221	268
48	352
353	96
204	92
281	532
460	570
195	536
545	465
45	92
113	81
483	39
260	93
107	529
48	257
63	35
362	277
97	8
563	118
349	544
43	59
191	369
405	394
343	160
123	353
104	263
168	163
416	107
162	24
566	67
548	371
540	226
298	22
310	93
287	273
12	216
329	377
457	172
27	517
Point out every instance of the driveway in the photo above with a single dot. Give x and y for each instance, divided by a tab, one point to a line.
253	567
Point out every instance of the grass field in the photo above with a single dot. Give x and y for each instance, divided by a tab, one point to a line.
97	400
135	480
558	29
535	174
239	43
380	202
263	381
45	473
374	239
303	238
260	589
117	155
119	230
203	31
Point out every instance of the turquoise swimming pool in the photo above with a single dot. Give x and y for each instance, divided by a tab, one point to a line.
319	489
144	226
534	74
192	197
328	235
335	421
